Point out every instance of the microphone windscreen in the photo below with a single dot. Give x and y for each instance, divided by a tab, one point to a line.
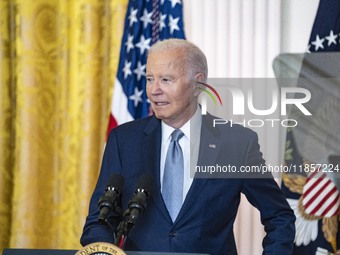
116	181
145	182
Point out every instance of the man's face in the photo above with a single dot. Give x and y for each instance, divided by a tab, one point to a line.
172	95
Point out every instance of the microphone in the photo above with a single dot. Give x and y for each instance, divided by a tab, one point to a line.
110	202
137	204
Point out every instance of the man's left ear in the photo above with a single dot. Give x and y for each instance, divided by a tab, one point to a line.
198	88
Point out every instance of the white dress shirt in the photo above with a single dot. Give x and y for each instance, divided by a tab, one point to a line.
190	147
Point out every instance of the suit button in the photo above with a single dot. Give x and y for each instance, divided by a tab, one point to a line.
172	234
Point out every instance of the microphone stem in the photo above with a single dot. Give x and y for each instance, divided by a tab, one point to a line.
122	241
122	232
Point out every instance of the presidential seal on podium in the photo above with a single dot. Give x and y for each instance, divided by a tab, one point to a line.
100	248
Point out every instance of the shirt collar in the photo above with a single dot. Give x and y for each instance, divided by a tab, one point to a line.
191	128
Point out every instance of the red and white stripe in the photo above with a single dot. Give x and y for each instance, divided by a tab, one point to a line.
320	196
119	111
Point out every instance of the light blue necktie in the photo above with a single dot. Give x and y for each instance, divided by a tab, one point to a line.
173	175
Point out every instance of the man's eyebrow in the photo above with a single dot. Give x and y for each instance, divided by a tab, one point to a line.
171	76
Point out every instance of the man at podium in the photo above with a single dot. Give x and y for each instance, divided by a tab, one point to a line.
186	213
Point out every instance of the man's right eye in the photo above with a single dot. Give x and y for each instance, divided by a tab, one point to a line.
165	80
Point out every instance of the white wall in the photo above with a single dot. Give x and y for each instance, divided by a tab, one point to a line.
297	20
241	38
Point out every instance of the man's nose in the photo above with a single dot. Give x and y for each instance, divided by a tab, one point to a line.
155	87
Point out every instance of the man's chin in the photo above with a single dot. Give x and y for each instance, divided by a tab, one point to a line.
159	115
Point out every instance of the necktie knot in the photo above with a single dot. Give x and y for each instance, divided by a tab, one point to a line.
176	135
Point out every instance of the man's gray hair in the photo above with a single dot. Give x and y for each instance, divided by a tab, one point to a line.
196	62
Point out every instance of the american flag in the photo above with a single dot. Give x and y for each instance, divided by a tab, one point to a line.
320	196
146	22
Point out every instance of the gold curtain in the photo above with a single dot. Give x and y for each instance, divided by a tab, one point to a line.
58	60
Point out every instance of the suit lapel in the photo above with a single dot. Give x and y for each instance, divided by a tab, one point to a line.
151	161
210	145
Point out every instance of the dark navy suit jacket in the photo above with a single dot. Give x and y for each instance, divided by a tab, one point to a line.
205	222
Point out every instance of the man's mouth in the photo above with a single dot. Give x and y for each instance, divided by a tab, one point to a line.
161	103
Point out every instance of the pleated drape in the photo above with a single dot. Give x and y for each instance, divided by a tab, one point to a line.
58	62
